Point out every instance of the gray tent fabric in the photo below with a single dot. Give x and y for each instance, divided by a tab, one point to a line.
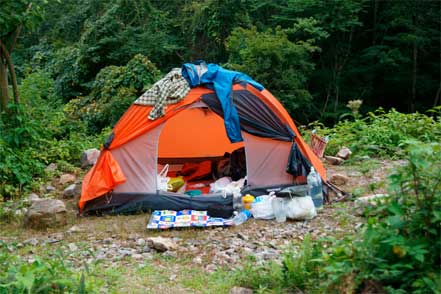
258	119
255	117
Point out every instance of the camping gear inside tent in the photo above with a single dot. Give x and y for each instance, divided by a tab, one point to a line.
191	138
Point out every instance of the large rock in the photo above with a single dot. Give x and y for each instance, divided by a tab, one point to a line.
72	190
333	160
51	167
339	179
241	290
344	153
67	178
46	213
89	157
33	197
161	244
49	188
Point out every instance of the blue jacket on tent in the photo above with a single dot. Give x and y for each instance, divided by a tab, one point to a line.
221	81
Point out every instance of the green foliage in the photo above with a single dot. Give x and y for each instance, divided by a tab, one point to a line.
40	276
401	246
114	89
300	267
16	13
298	271
39	133
260	277
380	133
207	24
362	49
121	30
398	250
273	60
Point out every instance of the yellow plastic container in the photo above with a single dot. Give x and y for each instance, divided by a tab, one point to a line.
247	200
175	183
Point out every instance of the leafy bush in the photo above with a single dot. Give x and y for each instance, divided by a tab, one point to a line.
298	271
278	63
380	133
113	90
40	276
37	134
398	252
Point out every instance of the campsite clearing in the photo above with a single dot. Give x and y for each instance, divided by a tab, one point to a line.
114	250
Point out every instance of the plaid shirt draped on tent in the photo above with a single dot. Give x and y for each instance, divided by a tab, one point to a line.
169	90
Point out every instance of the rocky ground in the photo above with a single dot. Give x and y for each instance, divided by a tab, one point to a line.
175	257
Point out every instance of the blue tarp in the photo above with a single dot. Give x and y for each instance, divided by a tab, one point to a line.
221	81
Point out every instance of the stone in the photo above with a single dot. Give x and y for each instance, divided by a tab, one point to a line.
361	203
20	212
49	188
333	160
210	268
33	197
74	229
32	242
140	242
161	244
242	236
124	252
344	153
66	179
339	179
354	173
197	260
145	249
46	213
132	237
89	157
51	167
137	256
241	290
72	247
55	238
72	190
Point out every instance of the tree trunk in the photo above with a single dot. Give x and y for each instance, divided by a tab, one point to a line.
8	59
4	93
437	99
414	71
438	93
374	30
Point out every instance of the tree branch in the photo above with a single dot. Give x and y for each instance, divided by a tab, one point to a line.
14	40
18	31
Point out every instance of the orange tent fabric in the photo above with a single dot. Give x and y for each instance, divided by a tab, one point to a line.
102	178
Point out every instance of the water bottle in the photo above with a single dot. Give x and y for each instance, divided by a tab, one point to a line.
237	202
315	188
241	217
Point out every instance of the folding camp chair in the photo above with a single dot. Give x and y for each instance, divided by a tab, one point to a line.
318	144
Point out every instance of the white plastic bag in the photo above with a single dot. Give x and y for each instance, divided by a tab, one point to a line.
220	184
162	179
300	208
261	208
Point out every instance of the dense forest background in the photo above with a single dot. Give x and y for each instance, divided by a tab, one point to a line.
69	69
314	55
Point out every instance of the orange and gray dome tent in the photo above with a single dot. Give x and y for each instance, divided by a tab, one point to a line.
123	180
